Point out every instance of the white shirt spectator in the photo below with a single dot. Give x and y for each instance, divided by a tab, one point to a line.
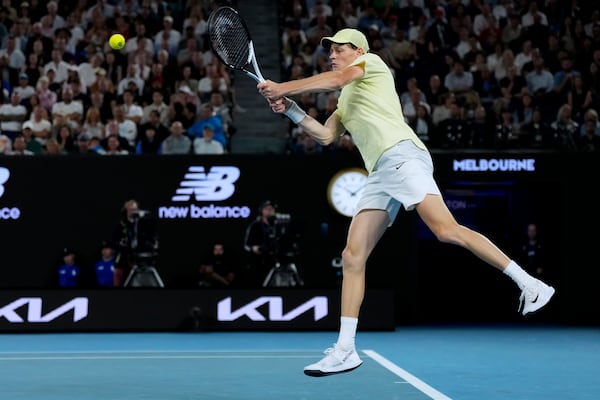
12	115
61	70
15	59
171	36
202	146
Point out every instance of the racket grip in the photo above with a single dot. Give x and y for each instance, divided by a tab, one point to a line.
295	113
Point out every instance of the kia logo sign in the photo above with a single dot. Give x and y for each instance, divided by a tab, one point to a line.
319	305
79	306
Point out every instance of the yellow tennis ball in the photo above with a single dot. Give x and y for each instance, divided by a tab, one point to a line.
117	41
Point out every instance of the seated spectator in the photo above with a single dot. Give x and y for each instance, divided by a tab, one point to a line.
442	112
523	110
411	85
113	128
183	107
434	91
480	129
458	80
131	111
131	77
580	98
167	38
148	143
177	142
213	80
65	137
83	145
486	86
73	110
592	115
506	62
452	132
206	144
46	96
422	124
207	116
24	89
12	115
589	141
5	144
507	132
155	123
158	104
565	129
512	31
58	65
223	111
20	147
92	125
30	143
40	125
536	133
512	84
186	79
539	81
113	147
53	148
409	109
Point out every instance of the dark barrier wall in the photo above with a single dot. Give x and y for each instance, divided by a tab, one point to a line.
184	310
49	203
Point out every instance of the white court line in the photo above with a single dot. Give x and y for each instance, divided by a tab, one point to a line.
149	357
407	376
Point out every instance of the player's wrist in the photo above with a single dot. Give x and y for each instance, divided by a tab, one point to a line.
295	113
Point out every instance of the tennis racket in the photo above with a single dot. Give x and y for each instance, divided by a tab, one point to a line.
231	42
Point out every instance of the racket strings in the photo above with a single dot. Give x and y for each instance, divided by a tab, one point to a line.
230	39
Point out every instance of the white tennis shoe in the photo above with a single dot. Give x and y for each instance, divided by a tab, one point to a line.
336	361
535	297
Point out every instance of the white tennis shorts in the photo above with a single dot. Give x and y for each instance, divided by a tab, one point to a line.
403	176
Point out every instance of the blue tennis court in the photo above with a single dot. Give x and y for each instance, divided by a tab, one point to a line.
433	362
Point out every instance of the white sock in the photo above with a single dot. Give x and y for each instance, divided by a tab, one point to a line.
517	274
347	332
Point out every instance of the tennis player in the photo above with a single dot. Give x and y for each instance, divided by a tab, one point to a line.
400	174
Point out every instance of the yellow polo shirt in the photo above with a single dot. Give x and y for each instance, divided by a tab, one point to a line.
369	108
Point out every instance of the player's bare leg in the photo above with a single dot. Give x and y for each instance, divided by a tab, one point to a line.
366	229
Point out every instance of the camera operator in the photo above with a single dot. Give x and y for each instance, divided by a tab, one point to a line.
259	244
268	243
132	240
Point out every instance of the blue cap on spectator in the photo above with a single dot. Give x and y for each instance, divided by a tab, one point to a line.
23	76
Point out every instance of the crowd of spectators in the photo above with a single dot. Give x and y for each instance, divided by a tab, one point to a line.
482	74
488	74
65	91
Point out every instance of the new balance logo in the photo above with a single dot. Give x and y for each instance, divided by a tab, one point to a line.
214	184
4	175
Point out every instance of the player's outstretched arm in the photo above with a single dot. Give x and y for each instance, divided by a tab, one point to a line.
323	82
323	134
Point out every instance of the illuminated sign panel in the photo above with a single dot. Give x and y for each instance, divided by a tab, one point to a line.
7	213
205	184
494	164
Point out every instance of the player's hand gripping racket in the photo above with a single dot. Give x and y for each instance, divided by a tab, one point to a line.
231	42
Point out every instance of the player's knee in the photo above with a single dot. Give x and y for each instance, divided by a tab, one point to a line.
448	234
352	262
